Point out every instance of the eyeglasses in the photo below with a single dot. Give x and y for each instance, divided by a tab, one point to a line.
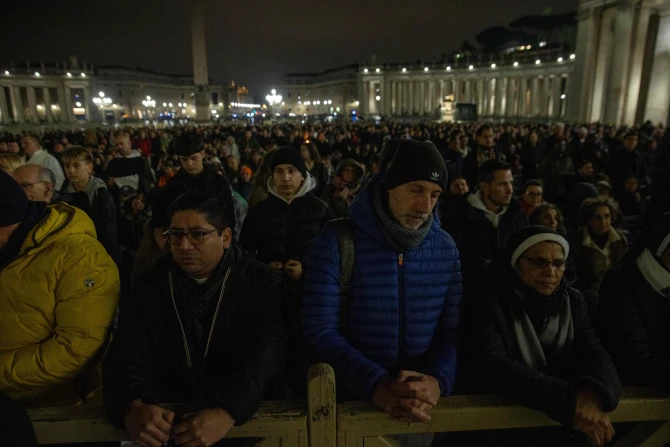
542	264
194	237
25	185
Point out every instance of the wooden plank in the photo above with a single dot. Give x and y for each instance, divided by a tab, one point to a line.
88	423
321	406
489	412
380	441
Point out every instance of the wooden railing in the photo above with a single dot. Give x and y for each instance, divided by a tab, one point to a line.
324	423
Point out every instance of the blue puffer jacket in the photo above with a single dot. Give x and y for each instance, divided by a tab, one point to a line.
403	312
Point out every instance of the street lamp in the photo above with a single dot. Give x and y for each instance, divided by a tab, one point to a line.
273	98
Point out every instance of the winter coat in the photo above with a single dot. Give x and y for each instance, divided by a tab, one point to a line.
210	183
337	185
632	320
59	297
276	231
478	240
593	262
320	174
555	171
493	363
403	310
149	359
625	163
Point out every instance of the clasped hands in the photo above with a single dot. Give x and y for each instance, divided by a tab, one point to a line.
410	397
153	426
590	419
292	269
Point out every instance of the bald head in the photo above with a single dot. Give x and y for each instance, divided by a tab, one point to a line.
37	182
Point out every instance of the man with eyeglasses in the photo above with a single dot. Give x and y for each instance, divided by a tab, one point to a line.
32	148
204	325
37	182
532	196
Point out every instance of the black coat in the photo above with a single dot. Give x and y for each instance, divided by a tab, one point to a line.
207	182
147	357
632	320
492	363
275	231
320	174
478	241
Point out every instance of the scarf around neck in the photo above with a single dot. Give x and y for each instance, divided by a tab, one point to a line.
401	238
197	301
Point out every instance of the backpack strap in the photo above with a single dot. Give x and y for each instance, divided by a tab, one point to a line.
345	236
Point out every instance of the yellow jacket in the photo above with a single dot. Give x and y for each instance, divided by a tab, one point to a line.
57	301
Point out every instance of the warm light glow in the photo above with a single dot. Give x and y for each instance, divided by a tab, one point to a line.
378	98
273	91
365	70
537	62
37	73
563	96
493	65
78	104
448	68
471	67
377	70
572	56
101	94
148	98
53	106
39	107
560	59
170	104
425	68
69	75
83	75
164	104
516	64
404	70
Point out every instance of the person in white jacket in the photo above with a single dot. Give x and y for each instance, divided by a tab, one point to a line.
36	155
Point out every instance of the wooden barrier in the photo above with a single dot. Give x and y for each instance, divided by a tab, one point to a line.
323	423
362	424
281	424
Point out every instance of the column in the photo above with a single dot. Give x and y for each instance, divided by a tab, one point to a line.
32	105
534	90
523	97
471	90
48	112
544	98
623	34
457	90
632	101
431	97
422	98
399	98
440	92
480	96
596	103
410	98
65	104
200	76
555	97
89	104
18	105
509	101
659	83
486	92
4	110
499	97
581	86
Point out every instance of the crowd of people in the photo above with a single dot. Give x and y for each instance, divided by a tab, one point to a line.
214	264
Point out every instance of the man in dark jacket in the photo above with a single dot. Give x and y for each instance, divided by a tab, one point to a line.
204	325
634	310
626	161
129	168
280	231
399	324
195	175
482	222
483	151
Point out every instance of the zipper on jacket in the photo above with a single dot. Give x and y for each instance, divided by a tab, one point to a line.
183	334
401	309
211	331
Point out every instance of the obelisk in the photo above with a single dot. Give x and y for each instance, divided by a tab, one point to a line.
200	77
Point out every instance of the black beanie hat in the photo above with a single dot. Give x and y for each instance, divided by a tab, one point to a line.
416	161
288	155
13	201
388	152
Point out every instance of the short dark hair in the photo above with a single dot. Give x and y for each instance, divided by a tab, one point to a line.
214	211
536	215
489	167
630	133
34	137
188	144
482	128
532	182
589	206
583	163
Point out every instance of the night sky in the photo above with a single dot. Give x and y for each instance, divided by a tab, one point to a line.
252	42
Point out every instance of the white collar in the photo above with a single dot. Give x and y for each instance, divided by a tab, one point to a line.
655	274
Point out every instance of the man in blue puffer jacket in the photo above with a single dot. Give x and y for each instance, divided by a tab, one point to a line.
398	342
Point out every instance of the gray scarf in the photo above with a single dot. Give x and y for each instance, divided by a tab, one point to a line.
401	238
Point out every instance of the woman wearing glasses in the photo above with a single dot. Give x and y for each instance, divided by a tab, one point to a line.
528	336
